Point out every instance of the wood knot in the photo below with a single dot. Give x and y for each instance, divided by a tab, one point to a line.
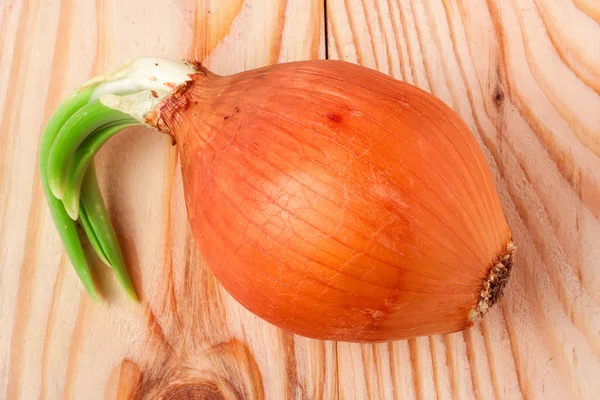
498	97
206	390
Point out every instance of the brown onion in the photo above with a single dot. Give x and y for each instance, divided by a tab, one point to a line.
335	201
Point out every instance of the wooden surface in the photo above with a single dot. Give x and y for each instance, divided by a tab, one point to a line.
525	76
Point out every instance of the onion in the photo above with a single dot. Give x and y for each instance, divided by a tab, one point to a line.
329	199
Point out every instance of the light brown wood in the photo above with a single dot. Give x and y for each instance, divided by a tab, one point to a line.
525	76
54	341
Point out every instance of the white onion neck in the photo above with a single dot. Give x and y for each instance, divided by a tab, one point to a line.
139	86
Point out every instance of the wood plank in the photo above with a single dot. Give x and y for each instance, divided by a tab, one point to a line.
54	341
523	74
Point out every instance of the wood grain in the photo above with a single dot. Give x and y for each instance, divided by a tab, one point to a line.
523	74
54	341
524	78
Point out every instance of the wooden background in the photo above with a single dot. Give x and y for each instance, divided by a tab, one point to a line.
525	76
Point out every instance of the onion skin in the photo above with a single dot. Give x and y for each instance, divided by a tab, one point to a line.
338	203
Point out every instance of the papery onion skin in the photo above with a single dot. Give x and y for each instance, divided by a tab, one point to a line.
337	202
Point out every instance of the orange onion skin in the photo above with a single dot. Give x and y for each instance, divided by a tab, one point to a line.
337	202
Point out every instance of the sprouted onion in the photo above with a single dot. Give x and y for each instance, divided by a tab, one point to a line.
329	199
